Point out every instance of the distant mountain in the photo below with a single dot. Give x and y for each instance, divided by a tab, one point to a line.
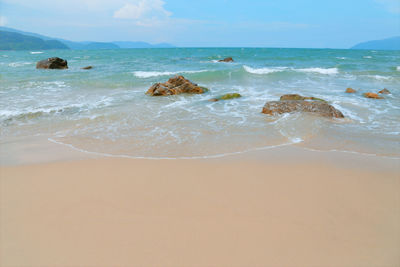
87	45
99	45
385	44
126	44
17	41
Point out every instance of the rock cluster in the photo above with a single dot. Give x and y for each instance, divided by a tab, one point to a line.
175	86
299	104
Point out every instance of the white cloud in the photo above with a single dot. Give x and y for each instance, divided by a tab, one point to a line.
3	21
144	12
392	6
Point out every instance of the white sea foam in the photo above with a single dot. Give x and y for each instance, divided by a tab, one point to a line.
263	70
341	58
379	77
398	68
328	71
19	64
36	52
148	74
367	57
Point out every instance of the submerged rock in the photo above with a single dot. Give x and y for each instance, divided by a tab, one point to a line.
226	97
372	95
52	63
87	68
228	59
175	86
288	106
299	97
350	90
384	91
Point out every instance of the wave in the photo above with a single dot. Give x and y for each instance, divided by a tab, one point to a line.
328	71
379	77
148	74
263	70
367	57
38	52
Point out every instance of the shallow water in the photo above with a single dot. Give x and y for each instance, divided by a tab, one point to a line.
105	110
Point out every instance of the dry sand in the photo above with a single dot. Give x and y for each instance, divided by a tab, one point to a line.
254	210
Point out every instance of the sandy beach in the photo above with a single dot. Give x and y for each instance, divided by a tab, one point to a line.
281	207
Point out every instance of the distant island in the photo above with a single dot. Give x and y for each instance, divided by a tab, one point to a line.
385	44
12	39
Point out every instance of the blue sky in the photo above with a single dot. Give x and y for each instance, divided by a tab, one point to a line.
251	23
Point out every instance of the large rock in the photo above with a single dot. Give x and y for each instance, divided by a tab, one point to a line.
228	59
52	63
175	86
287	106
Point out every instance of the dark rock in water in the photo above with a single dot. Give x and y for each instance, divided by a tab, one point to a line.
225	97
52	63
87	68
228	59
299	97
287	106
350	90
175	86
384	91
372	95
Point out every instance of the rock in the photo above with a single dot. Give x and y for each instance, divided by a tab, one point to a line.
299	97
226	97
384	91
175	86
287	106
228	59
372	95
87	68
350	90
52	63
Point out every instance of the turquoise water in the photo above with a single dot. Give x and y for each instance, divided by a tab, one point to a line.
105	110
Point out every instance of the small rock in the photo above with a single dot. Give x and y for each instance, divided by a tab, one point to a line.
372	95
87	68
228	59
52	63
288	106
350	90
384	91
226	97
175	86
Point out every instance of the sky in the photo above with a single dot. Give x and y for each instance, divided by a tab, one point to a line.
209	23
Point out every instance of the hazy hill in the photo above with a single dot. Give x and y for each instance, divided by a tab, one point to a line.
17	41
385	44
91	45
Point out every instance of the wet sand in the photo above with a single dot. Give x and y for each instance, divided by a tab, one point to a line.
282	207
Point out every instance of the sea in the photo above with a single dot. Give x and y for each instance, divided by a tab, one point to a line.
105	110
